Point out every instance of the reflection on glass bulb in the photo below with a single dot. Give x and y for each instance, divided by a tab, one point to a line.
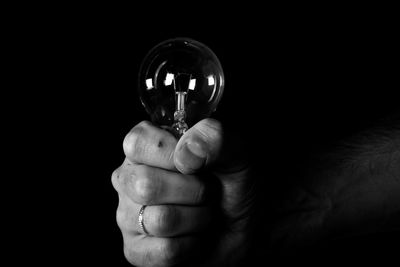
181	82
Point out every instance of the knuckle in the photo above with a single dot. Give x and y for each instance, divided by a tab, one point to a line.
145	187
133	141
128	143
120	218
124	220
115	178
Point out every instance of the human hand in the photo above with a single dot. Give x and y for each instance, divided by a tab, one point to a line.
197	193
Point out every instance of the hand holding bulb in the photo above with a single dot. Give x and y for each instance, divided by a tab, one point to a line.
181	191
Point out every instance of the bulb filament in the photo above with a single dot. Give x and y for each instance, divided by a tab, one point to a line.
181	86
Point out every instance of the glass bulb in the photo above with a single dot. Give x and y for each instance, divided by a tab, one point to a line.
181	82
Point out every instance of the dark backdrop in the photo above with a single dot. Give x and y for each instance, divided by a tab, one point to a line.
294	85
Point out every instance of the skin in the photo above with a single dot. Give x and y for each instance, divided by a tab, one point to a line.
202	202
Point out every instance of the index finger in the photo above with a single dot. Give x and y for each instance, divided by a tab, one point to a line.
150	145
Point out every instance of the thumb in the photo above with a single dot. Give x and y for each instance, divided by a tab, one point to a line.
202	146
199	146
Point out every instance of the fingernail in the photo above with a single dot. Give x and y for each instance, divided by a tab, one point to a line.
198	148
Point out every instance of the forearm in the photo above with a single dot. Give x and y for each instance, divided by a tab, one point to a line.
357	191
364	194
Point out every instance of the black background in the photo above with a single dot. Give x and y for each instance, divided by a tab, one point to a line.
295	83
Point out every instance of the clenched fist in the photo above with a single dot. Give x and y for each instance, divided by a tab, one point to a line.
194	197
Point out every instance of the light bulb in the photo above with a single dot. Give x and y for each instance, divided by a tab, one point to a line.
181	81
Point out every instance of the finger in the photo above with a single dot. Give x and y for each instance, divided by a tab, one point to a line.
172	220
199	146
153	251
150	145
148	185
162	220
206	144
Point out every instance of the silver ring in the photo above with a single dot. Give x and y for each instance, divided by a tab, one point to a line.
141	220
